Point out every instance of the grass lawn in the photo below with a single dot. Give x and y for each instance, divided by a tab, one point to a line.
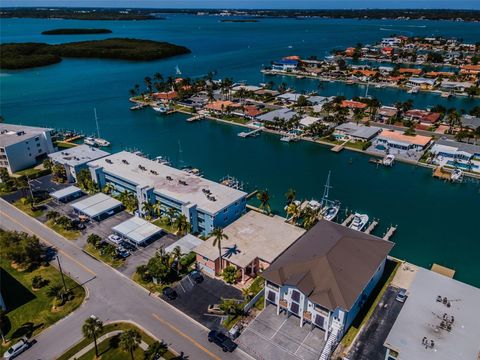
165	226
65	145
27	209
31	311
109	349
32	172
150	286
235	119
67	234
114	262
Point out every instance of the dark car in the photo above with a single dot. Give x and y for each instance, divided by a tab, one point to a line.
196	276
169	293
222	340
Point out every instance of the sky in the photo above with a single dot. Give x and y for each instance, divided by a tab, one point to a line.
254	4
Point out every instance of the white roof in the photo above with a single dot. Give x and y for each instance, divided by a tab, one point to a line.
191	193
68	191
77	155
12	134
308	120
137	229
186	244
246	88
96	205
422	315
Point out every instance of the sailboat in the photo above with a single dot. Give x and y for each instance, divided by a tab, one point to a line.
177	70
330	208
98	140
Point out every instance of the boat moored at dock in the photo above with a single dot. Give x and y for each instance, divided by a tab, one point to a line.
388	160
359	222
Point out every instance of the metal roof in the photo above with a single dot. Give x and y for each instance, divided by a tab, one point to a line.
186	244
96	205
65	192
137	229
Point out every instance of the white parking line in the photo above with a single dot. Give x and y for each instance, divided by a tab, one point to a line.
279	328
274	343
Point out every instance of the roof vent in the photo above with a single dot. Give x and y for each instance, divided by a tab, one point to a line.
125	162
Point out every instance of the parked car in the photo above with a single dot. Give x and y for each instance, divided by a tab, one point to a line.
196	276
169	293
128	246
16	349
221	340
123	253
234	332
215	309
115	239
401	295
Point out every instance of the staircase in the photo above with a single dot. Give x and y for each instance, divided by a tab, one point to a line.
331	341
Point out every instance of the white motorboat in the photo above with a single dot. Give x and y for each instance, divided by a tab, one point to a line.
359	222
162	160
388	160
413	90
314	205
89	141
101	142
457	175
160	109
330	212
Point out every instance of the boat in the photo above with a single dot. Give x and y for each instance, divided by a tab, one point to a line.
89	141
177	70
137	107
314	205
359	222
330	208
388	160
286	139
414	90
162	160
300	77
102	142
160	109
457	175
445	94
232	182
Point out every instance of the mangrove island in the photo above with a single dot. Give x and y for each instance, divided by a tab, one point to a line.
85	31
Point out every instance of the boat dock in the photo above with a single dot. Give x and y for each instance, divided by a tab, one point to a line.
440	173
442	270
73	138
339	147
195	118
348	220
252	194
244	134
371	227
389	233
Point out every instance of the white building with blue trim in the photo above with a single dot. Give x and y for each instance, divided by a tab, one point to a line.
205	203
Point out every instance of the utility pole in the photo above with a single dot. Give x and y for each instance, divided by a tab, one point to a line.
61	273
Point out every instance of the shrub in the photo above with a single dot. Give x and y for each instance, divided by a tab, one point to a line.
229	274
38	282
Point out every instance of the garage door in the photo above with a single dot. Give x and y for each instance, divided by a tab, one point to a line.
204	268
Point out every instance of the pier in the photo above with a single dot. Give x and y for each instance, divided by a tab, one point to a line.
440	173
348	220
339	147
442	270
195	118
371	227
244	134
389	233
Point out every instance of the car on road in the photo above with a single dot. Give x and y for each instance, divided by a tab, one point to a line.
215	310
114	239
401	295
196	276
169	293
16	349
221	340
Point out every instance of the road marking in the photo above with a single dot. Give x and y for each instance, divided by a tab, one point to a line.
49	243
196	343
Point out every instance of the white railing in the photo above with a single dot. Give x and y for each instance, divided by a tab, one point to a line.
331	341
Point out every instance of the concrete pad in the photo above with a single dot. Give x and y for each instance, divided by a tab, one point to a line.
286	341
307	354
292	329
404	276
262	348
315	340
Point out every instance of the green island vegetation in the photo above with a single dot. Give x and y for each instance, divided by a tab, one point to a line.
28	55
240	20
33	290
123	345
80	14
83	31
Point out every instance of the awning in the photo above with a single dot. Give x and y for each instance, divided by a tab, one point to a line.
137	230
70	191
96	205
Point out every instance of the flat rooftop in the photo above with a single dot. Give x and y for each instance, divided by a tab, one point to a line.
77	155
422	315
397	136
12	134
186	244
360	131
129	167
254	235
65	192
137	229
96	205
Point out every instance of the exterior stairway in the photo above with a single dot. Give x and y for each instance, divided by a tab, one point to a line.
332	341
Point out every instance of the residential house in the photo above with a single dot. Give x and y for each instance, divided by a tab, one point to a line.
455	86
278	114
422	117
409	71
355	132
222	106
421	82
289	98
455	150
351	104
165	96
254	241
470	122
385	113
285	65
391	139
326	276
308	120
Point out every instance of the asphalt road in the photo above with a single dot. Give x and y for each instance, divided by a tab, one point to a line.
112	297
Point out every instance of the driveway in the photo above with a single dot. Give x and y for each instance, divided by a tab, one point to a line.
369	344
278	337
193	299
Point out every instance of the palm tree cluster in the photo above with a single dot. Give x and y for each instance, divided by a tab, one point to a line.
129	200
307	216
163	267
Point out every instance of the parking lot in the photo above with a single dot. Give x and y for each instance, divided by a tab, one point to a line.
369	344
193	299
278	337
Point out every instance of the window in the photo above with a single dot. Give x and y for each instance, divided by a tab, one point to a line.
295	295
294	308
39	151
37	138
38	144
272	297
225	210
319	321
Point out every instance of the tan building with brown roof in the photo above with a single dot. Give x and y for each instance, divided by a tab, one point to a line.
326	276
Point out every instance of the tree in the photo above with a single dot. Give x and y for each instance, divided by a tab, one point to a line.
94	240
147	209
47	164
38	282
231	306
58	173
52	215
290	195
109	188
58	293
229	274
85	181
176	255
181	224
218	237
157	208
264	199
92	327
293	213
21	248
310	217
130	340
155	350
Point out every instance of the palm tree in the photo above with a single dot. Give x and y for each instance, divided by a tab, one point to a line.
155	350
172	214
293	211
176	255
157	208
310	217
109	188
264	199
130	340
290	195
158	77
181	224
147	209
92	327
218	236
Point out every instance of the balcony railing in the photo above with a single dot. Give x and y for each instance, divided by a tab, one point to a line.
307	315
283	303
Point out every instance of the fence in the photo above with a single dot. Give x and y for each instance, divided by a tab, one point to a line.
252	302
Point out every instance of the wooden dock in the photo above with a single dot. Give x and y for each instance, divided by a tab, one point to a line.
195	118
389	233
252	194
73	138
440	173
442	270
348	220
244	134
371	227
339	147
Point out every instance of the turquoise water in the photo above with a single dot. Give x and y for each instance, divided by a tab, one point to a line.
436	220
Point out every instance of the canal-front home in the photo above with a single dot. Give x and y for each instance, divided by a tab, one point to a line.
355	132
391	139
253	242
326	276
205	203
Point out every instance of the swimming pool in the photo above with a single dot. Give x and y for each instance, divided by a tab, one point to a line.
381	147
462	165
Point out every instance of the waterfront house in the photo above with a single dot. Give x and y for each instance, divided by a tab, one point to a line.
76	158
385	113
391	139
308	121
439	321
392	41
422	117
165	96
351	104
206	204
285	65
410	71
355	132
326	276
23	146
470	69
267	93
435	74
249	111
387	51
455	150
421	82
254	241
289	98
455	86
470	122
278	114
350	51
222	106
